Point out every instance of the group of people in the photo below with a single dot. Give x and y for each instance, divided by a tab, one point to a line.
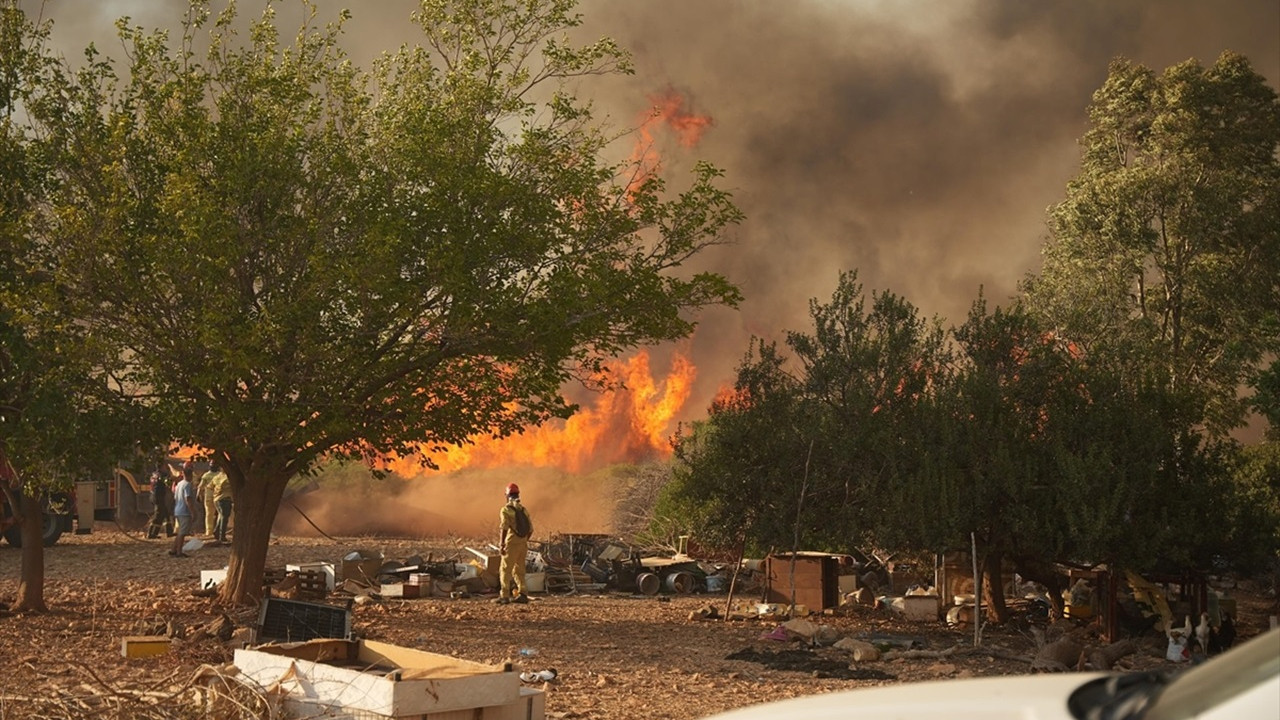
177	508
182	504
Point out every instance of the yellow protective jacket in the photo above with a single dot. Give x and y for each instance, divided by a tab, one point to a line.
507	520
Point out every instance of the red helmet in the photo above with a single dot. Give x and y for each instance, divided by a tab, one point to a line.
512	489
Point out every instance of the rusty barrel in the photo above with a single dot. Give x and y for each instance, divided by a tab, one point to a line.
648	583
680	582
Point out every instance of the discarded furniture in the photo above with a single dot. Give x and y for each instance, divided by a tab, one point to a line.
817	581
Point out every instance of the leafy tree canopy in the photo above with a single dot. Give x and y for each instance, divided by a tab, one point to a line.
1165	251
296	258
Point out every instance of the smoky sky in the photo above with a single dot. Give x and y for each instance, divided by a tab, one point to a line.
917	142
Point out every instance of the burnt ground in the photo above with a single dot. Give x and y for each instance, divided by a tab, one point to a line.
617	656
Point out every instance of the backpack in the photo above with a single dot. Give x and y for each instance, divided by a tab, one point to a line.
523	525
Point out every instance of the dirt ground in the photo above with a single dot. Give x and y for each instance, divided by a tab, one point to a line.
617	656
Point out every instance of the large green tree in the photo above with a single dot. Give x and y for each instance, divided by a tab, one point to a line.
58	423
1166	250
299	259
1047	456
807	448
737	476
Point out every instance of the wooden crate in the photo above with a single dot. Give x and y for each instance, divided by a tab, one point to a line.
374	677
817	580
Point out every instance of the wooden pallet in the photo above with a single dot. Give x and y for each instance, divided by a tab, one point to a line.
309	583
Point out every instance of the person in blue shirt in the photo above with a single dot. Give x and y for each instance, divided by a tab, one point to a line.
184	503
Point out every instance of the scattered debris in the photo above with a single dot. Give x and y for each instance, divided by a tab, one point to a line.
807	661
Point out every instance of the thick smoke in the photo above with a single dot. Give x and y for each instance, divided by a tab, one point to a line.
917	142
463	505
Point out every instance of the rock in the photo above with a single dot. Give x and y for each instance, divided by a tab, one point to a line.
860	650
826	635
801	627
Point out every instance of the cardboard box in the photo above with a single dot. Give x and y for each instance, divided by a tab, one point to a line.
921	608
374	677
402	590
532	705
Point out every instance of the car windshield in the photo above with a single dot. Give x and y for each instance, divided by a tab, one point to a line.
1208	685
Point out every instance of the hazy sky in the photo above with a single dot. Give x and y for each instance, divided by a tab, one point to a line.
916	141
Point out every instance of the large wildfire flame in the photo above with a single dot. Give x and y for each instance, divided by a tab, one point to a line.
625	425
667	110
631	423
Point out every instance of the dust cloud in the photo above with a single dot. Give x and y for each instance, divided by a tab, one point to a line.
462	504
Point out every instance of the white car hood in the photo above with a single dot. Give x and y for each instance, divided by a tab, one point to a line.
1022	697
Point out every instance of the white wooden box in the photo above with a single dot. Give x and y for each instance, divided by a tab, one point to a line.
532	705
364	675
921	608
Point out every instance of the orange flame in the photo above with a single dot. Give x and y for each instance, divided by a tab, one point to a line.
628	424
667	108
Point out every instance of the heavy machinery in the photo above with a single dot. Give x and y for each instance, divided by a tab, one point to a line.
58	519
120	498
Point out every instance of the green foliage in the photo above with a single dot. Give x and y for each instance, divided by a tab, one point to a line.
291	258
1253	513
1164	252
1266	399
352	263
57	423
800	459
737	474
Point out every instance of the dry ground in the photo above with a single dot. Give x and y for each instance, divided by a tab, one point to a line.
618	657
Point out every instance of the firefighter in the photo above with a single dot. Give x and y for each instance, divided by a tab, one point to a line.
514	530
161	497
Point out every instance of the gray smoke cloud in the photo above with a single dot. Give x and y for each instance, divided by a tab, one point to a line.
918	142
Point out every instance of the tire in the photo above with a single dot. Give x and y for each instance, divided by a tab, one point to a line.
50	532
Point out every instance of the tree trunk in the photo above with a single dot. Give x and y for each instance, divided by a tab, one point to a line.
1044	573
253	510
31	580
1105	658
993	589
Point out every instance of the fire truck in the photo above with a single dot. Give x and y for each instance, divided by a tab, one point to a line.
57	519
124	498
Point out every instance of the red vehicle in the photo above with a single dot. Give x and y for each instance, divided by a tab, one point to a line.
57	519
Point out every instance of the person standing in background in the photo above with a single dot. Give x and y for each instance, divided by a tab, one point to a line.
184	502
208	503
221	491
514	530
189	472
160	499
